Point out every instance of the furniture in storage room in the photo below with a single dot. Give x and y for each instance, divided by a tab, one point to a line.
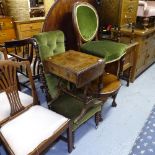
117	12
16	122
26	29
7	31
146	49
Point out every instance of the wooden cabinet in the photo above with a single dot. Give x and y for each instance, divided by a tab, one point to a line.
26	29
7	30
117	12
146	48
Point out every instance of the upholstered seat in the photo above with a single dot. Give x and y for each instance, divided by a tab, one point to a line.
86	23
28	130
110	51
50	44
71	108
5	109
20	130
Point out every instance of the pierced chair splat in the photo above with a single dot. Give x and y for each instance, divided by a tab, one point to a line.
34	128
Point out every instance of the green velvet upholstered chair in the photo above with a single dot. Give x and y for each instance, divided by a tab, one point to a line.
86	23
50	44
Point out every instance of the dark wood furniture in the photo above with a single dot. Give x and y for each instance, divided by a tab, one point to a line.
60	17
20	114
62	96
117	12
76	67
23	50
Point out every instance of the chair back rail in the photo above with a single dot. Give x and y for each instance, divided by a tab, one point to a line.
23	50
9	83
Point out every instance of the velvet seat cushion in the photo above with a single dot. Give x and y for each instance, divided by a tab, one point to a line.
5	108
25	132
109	50
65	105
70	107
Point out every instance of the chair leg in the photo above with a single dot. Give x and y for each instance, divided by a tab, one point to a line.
98	118
70	138
129	76
114	100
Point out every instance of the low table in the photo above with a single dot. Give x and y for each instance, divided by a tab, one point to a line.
76	67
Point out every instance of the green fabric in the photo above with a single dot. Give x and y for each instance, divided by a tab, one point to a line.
70	107
106	49
50	43
87	22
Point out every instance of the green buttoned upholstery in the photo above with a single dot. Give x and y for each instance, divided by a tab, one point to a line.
86	21
52	43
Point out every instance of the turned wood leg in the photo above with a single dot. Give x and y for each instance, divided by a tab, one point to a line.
98	118
70	138
129	76
114	100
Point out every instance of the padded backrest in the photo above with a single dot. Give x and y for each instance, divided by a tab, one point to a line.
85	20
50	44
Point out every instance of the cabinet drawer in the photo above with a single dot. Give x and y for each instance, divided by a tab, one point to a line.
6	23
28	34
31	26
6	35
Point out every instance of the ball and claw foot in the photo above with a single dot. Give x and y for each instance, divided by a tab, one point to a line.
114	104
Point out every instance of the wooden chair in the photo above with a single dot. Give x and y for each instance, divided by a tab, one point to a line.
28	130
86	23
50	44
22	50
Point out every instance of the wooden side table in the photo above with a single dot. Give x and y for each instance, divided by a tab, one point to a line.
76	67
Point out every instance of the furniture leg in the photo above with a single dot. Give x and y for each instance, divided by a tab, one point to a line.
98	118
70	138
114	100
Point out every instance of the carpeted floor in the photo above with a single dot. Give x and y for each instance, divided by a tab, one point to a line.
121	126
